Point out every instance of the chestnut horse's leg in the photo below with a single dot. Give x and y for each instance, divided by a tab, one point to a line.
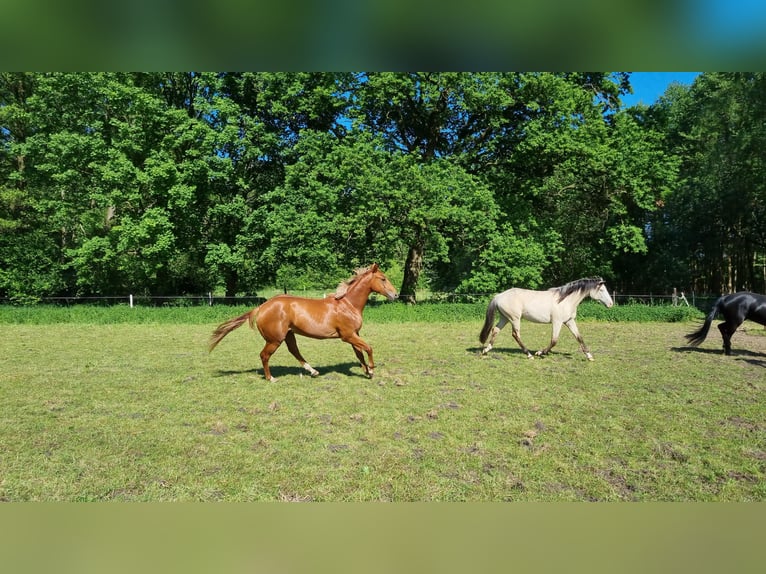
292	346
268	350
360	345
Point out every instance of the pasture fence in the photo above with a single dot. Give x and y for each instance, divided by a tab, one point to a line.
676	298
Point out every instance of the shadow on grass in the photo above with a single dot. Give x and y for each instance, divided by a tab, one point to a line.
503	352
736	354
349	369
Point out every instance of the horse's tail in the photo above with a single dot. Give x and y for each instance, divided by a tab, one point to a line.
488	321
699	335
227	327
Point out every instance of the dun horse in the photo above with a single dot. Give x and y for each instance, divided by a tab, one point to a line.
336	316
735	308
557	306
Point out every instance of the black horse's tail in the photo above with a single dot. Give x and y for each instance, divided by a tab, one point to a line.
699	335
488	321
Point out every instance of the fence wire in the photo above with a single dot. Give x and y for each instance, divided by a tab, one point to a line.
702	301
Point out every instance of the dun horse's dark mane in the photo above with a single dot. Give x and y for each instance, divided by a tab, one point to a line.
344	286
577	286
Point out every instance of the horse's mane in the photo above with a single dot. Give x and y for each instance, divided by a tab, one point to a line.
344	286
577	286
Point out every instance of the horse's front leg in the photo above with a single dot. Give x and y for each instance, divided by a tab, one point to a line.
360	346
516	332
556	329
572	326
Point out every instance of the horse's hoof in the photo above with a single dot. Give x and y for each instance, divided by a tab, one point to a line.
589	357
530	356
272	379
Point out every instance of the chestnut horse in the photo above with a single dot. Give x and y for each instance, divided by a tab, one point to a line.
735	309
557	305
336	316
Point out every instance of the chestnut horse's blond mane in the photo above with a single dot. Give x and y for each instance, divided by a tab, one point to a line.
343	286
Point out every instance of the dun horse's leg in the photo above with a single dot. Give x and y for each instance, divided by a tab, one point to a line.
292	346
583	347
266	353
500	324
556	329
516	331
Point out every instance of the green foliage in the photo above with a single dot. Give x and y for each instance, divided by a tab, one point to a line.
375	312
638	312
512	259
710	230
187	182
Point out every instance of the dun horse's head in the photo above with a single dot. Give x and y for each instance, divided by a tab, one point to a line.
381	284
601	294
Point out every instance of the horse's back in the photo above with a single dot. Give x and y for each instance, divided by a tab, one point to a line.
316	318
527	304
756	307
743	305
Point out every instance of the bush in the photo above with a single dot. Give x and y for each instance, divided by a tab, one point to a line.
375	312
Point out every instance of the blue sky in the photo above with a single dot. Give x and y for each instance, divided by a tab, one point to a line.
648	86
730	22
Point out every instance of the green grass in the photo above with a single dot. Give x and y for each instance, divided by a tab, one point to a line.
138	411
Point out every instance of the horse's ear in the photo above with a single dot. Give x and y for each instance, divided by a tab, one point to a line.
374	268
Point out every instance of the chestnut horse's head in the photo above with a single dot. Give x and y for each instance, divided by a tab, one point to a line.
373	279
381	284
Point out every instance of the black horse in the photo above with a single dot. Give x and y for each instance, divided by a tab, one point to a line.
735	308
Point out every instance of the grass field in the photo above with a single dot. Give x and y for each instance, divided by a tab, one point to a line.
139	411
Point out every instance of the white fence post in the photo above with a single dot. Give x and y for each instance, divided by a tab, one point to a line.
131	300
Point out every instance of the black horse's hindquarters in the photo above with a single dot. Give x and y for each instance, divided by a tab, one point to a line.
735	310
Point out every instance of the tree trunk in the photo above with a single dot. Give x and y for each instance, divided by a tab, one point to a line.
232	282
412	268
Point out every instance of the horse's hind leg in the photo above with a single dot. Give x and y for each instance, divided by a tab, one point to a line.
268	350
500	324
292	346
727	330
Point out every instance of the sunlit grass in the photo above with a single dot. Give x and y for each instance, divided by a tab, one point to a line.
143	412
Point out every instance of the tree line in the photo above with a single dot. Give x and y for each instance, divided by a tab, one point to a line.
185	183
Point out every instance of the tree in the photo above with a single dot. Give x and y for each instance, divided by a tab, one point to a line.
261	118
118	182
352	202
574	178
715	220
